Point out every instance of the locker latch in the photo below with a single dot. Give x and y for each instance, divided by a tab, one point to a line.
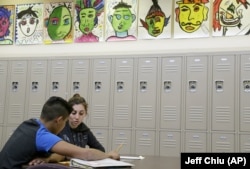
120	86
246	85
34	86
192	85
143	86
219	86
76	86
14	86
55	86
98	86
167	86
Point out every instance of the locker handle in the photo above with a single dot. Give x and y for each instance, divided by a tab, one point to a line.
192	85
15	86
120	86
167	86
34	86
55	86
219	85
98	86
246	85
143	86
76	86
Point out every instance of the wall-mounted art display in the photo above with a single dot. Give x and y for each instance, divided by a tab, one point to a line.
29	24
231	18
191	18
7	24
121	20
154	19
89	21
58	22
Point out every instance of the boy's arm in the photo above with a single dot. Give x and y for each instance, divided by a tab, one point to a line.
69	150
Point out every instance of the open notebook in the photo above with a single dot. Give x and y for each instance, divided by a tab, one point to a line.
108	162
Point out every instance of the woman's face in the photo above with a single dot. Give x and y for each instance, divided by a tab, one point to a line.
77	115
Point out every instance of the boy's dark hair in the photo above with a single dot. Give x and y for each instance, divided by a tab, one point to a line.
54	107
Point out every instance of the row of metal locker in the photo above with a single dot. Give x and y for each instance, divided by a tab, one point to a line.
165	93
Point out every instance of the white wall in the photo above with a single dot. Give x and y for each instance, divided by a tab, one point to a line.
237	44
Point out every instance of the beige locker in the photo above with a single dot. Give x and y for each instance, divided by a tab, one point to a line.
245	93
100	95
16	95
3	83
171	93
223	142
245	143
223	93
195	141
145	142
58	71
123	93
170	143
1	138
36	87
196	93
79	78
102	135
122	136
146	93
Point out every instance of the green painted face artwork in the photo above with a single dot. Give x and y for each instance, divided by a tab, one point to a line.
87	20
122	19
60	23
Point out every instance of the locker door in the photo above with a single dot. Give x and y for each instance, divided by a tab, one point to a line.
196	142
223	93
79	78
58	78
171	84
3	77
146	93
245	93
123	93
196	93
37	87
145	142
170	143
100	96
245	143
122	137
7	132
102	136
223	142
17	92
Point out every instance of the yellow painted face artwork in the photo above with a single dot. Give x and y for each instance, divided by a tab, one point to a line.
191	16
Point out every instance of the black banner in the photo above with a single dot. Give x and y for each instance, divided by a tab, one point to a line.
215	160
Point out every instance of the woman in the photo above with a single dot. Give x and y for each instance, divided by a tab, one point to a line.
75	131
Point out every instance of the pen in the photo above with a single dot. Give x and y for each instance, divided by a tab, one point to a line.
119	148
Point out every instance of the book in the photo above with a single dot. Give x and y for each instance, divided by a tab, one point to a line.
105	163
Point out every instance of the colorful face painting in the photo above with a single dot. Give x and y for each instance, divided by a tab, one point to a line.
89	20
121	20
58	22
29	24
155	22
191	19
231	17
6	24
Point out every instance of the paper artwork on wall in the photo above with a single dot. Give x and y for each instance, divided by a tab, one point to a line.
7	24
231	18
121	20
58	18
191	18
29	24
89	21
154	19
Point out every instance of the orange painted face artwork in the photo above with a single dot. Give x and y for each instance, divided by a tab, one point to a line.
191	16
